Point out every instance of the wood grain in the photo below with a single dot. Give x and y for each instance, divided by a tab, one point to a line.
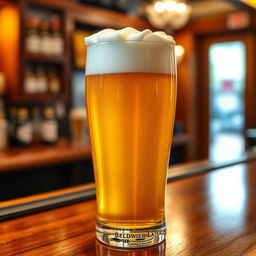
47	195
186	103
45	58
209	214
213	24
94	16
46	201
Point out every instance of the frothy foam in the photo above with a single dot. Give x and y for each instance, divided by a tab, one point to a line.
128	34
78	113
130	50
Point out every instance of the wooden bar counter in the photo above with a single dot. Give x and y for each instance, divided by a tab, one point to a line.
34	156
210	213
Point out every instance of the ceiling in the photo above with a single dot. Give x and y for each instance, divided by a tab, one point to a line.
203	8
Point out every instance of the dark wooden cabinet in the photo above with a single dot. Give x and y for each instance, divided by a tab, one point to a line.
14	57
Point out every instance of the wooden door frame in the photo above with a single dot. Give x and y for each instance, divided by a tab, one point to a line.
202	109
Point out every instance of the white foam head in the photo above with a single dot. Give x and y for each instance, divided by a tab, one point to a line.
78	113
130	50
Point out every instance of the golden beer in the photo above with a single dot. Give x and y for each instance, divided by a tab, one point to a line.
78	126
130	116
78	130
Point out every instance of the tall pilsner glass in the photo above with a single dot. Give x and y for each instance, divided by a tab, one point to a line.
130	98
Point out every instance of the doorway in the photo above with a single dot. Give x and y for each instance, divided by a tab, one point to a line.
226	94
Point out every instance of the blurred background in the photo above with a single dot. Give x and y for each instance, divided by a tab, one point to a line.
44	142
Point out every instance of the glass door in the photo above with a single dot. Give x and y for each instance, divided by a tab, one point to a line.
226	99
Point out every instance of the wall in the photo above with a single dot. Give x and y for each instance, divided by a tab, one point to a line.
9	43
187	89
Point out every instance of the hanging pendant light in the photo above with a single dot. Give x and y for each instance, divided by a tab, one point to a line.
168	14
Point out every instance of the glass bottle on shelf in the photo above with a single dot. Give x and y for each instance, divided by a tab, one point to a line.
54	85
36	123
24	131
30	81
3	128
46	39
33	37
57	39
42	83
12	124
49	128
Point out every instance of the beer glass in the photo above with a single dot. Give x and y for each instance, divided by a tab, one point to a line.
130	99
105	250
78	126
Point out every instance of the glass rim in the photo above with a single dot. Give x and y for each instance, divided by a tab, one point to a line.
172	44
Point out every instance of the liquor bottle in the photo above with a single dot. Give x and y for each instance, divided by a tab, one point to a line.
46	39
33	37
12	125
49	128
42	83
57	39
30	81
54	85
24	131
36	123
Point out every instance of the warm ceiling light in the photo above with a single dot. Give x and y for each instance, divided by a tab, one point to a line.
181	7
168	14
170	6
159	7
179	53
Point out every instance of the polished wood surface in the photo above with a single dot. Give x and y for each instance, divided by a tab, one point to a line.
186	96
214	24
49	200
45	58
208	214
45	196
41	155
94	16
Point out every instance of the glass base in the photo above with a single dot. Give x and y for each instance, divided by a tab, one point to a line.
130	238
